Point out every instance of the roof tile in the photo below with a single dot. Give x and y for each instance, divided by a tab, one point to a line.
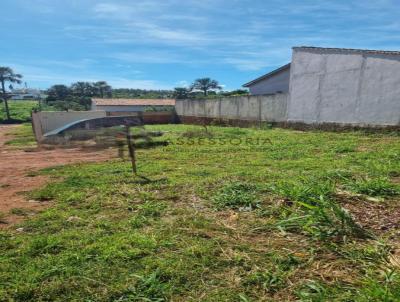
134	102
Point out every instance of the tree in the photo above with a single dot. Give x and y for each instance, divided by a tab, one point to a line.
8	75
103	88
181	93
58	93
205	85
83	89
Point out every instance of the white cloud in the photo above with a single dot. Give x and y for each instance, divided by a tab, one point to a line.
142	84
126	12
248	64
43	77
182	83
151	57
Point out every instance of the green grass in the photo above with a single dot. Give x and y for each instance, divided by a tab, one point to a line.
232	215
21	137
380	186
236	196
20	111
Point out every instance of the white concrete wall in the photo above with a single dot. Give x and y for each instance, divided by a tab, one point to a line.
264	108
52	120
331	86
276	83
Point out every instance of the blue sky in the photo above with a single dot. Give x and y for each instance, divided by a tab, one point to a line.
167	43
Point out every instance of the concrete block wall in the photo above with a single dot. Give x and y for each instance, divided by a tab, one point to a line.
49	121
269	108
344	87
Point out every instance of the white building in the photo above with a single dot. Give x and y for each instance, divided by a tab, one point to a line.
26	94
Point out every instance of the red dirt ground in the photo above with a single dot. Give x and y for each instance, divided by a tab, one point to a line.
15	164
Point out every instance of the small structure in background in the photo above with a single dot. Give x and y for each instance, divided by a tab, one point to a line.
127	106
26	94
276	81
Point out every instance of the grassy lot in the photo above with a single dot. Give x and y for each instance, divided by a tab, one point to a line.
22	136
225	215
20	111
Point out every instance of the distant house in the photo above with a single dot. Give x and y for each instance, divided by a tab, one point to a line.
276	81
26	94
132	105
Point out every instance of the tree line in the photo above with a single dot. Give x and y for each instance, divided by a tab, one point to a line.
77	96
204	87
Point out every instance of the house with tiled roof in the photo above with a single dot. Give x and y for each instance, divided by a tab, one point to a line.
132	105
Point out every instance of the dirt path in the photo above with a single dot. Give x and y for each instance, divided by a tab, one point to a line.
15	165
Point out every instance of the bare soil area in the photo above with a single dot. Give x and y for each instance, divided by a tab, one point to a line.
17	174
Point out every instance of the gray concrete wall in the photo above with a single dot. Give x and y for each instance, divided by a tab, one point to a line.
276	83
270	108
49	121
331	86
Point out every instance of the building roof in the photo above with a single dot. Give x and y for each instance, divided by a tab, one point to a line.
134	102
348	50
268	75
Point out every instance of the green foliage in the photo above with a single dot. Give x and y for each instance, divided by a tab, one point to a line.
22	136
19	212
2	220
315	211
205	85
380	186
181	93
270	281
7	75
149	288
313	291
237	92
20	111
78	96
236	195
384	287
142	93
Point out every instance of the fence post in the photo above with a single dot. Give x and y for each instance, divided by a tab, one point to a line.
131	148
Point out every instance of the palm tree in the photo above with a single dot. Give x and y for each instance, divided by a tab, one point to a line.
205	85
8	75
103	88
